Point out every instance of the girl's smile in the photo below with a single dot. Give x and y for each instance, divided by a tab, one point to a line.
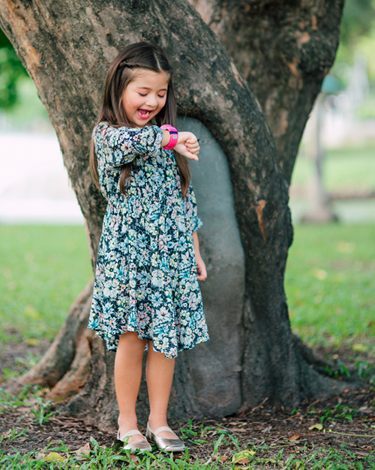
145	96
144	114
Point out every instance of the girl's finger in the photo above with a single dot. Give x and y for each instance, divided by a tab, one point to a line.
193	150
192	147
192	156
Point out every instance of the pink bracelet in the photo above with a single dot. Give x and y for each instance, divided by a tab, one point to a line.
173	136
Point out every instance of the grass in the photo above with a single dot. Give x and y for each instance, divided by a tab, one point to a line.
330	284
225	450
105	457
43	269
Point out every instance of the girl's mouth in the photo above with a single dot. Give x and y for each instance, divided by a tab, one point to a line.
143	114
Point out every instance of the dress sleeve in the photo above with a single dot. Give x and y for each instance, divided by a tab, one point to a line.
195	222
122	145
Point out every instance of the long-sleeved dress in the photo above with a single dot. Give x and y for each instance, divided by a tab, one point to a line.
146	272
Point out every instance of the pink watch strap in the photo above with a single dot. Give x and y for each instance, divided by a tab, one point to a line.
173	132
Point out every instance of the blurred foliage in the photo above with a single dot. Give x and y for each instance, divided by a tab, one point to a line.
357	21
357	38
11	71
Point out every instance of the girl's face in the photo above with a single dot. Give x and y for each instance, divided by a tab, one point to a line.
145	96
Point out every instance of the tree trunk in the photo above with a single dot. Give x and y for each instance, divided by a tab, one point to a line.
66	47
283	53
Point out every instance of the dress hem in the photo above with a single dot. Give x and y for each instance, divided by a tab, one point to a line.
180	348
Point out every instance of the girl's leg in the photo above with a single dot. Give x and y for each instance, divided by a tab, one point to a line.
128	374
159	377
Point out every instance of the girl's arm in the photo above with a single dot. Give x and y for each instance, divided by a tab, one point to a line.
195	221
196	243
201	266
123	144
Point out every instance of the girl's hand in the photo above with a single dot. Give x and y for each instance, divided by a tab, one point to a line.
201	267
193	145
188	145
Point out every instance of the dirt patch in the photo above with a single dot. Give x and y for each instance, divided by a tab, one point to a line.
348	423
18	354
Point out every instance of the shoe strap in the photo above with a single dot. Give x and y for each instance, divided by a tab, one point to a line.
162	428
131	432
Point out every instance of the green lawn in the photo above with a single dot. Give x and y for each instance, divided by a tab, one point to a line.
330	284
43	269
329	280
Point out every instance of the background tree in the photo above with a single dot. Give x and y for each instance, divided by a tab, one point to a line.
281	55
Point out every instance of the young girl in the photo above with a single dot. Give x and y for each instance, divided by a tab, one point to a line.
146	293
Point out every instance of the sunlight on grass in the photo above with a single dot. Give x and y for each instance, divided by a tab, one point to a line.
43	269
330	283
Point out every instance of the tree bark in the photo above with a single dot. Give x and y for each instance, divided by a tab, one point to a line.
66	48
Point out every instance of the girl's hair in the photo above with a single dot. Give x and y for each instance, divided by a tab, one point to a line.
120	73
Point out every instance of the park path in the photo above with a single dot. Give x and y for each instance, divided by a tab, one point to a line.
34	185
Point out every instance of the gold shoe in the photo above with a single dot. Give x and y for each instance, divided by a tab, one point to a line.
164	443
141	445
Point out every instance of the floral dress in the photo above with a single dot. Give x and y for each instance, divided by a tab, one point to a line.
146	272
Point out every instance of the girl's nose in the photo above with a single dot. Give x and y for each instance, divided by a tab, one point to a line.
152	101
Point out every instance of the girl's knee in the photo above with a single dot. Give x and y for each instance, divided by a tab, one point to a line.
132	337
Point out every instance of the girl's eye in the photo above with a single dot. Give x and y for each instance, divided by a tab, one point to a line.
145	94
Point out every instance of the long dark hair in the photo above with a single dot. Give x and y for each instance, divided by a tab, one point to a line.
120	74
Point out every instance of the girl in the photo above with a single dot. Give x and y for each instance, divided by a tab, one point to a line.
146	293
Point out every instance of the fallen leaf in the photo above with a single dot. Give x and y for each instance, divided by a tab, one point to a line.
267	429
54	457
294	437
238	429
42	392
243	461
243	457
358	347
317	426
32	341
365	410
6	434
84	450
